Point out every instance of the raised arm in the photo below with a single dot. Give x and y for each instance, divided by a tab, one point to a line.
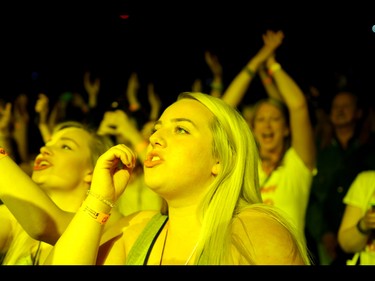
268	83
31	206
5	130
42	110
85	230
216	68
118	124
302	131
21	125
92	87
236	90
154	101
132	92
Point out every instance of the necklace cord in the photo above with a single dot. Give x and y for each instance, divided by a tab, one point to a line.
162	252
153	242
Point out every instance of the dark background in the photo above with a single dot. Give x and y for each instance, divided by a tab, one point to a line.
46	45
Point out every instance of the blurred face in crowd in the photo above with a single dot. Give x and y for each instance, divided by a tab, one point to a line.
64	161
344	109
269	127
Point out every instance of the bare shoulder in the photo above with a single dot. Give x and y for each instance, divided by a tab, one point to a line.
267	234
260	219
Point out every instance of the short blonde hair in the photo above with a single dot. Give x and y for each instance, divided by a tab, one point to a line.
98	143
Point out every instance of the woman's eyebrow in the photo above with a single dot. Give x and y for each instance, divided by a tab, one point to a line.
184	120
70	139
175	120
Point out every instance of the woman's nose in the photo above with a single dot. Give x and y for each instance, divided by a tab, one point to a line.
157	139
45	150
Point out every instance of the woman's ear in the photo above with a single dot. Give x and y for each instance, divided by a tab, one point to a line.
216	168
286	132
88	178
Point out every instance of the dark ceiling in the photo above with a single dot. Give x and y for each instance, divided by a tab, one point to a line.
166	40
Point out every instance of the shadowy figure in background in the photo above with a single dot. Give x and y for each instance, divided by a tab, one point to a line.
357	229
344	148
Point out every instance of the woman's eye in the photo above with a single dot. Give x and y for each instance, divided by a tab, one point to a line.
181	130
66	147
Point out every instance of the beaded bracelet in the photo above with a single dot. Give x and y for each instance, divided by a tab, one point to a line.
3	153
101	198
99	217
361	230
273	68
